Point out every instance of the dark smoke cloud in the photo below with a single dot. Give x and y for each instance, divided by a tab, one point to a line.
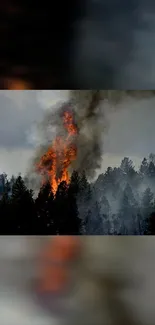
90	121
114	46
83	44
90	109
89	118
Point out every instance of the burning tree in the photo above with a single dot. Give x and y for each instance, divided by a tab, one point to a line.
54	164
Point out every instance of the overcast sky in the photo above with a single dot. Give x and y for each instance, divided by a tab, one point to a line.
131	130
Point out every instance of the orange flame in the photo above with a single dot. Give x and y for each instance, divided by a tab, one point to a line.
16	84
55	162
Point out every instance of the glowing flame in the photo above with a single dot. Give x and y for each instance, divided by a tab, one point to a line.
16	84
55	162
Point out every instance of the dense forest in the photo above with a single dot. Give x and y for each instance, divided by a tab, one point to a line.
120	202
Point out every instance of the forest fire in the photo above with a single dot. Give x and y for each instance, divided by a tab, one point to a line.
55	162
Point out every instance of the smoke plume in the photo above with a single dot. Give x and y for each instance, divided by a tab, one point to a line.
89	119
89	108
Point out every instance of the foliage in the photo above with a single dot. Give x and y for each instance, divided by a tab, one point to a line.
120	202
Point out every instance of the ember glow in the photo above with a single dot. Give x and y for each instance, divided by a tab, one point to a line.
16	84
55	162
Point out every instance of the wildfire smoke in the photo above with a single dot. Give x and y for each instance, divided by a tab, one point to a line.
71	138
55	162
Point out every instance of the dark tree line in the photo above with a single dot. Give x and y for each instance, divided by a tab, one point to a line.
120	202
20	213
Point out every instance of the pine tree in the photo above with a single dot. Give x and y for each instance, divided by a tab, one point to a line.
146	209
151	171
45	211
105	212
5	206
105	206
151	224
144	167
107	178
18	189
74	185
66	212
4	184
127	166
94	221
128	212
23	209
5	215
84	186
152	158
84	199
124	214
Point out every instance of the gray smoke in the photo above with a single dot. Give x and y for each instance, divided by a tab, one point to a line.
91	126
114	45
90	110
89	119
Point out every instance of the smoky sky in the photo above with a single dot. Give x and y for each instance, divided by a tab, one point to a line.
20	113
130	127
115	45
17	114
87	44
